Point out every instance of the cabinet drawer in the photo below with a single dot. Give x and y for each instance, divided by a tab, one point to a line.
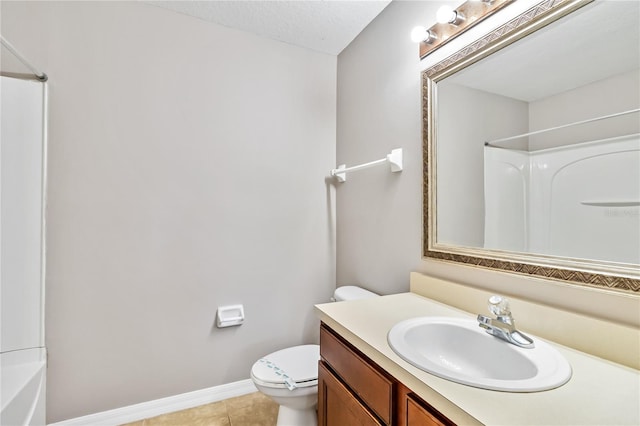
373	387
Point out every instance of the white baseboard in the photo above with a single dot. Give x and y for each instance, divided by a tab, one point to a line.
133	413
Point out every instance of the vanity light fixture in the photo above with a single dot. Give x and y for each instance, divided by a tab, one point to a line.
453	22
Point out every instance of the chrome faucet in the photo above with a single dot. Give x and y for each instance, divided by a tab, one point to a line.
503	326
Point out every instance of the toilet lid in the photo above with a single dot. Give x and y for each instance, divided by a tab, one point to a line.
298	364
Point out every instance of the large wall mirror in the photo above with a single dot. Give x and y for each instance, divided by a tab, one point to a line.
532	146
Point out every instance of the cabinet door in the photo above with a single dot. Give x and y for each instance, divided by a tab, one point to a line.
420	415
337	406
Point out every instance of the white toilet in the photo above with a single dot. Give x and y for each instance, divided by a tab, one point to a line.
290	376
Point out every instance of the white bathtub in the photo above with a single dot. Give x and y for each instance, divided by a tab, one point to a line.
23	376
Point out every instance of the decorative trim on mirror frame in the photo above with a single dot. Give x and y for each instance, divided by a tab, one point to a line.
514	29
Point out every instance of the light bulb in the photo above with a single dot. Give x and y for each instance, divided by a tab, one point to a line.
446	15
419	34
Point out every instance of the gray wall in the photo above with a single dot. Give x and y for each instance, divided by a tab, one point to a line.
186	171
379	213
460	192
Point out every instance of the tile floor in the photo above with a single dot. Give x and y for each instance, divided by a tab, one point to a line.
254	409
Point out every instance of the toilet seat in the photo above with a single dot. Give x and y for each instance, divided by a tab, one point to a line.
291	368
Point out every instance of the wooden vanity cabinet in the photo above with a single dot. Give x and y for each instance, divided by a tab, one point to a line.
353	390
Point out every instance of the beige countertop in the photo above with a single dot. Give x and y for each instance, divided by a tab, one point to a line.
599	392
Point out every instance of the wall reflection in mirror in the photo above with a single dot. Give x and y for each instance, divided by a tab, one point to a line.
536	147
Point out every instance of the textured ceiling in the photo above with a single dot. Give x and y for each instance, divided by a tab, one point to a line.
326	26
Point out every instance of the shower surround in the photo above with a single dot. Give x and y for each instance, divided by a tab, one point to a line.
580	200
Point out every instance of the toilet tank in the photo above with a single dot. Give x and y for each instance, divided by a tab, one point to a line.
351	292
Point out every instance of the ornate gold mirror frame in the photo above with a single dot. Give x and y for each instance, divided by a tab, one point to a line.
576	271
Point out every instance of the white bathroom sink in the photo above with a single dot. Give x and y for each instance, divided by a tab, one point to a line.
459	350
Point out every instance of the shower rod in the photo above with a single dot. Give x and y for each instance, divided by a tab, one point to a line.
39	75
631	111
